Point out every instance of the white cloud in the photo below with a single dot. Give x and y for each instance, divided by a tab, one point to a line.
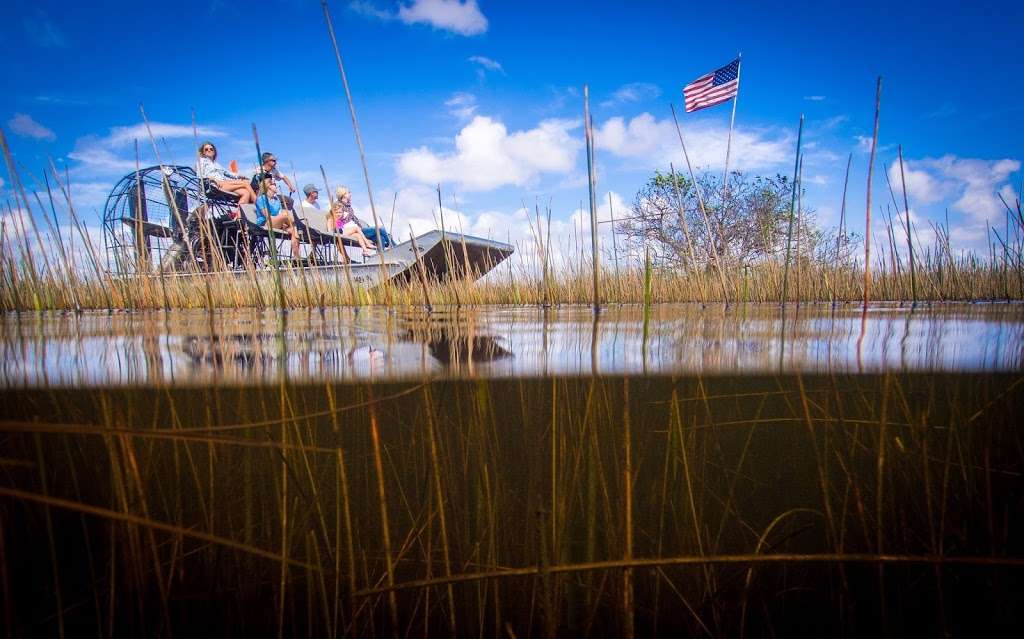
814	98
969	187
25	126
462	105
974	182
487	156
21	237
95	157
520	227
655	143
458	16
121	135
922	186
115	152
864	144
487	63
633	92
921	230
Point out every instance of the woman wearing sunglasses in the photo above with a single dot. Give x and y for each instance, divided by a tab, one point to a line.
222	178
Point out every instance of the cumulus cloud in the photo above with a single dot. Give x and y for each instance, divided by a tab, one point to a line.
922	186
969	187
26	127
974	183
633	92
457	16
488	156
654	142
418	209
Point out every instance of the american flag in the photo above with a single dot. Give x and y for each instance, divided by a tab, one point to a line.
713	88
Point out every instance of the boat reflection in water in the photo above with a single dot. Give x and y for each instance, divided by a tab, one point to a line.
196	347
360	353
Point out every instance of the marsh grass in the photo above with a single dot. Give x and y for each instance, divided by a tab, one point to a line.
715	506
945	278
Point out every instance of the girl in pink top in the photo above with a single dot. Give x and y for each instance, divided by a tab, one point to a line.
346	222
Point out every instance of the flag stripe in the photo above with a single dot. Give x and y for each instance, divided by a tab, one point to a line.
725	89
729	88
712	88
704	105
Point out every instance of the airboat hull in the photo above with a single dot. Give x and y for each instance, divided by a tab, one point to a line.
439	255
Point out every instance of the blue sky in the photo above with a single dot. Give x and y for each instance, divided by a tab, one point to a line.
486	98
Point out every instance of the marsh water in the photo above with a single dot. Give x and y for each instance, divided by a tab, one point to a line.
314	345
513	471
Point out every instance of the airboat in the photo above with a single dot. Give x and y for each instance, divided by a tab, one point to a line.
165	221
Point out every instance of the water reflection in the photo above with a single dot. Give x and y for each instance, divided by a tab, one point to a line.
190	347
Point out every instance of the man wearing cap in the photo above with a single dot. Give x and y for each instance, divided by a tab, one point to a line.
311	197
269	170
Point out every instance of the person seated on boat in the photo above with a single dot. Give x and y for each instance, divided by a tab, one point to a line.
225	180
312	195
346	222
269	206
269	169
377	236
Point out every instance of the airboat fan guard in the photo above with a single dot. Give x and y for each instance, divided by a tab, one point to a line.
145	213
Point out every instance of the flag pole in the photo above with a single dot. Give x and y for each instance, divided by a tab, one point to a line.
704	213
732	122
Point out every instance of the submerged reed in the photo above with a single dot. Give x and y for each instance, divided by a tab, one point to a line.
668	505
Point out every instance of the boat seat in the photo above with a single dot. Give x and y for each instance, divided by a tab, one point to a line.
217	196
318	223
249	217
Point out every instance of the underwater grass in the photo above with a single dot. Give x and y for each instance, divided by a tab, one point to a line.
705	505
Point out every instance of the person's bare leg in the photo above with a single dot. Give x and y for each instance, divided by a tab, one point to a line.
244	196
364	242
283	221
241	188
342	253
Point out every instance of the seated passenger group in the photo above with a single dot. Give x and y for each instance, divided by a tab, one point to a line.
273	205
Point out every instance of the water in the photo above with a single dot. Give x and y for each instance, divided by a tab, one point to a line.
195	347
244	473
